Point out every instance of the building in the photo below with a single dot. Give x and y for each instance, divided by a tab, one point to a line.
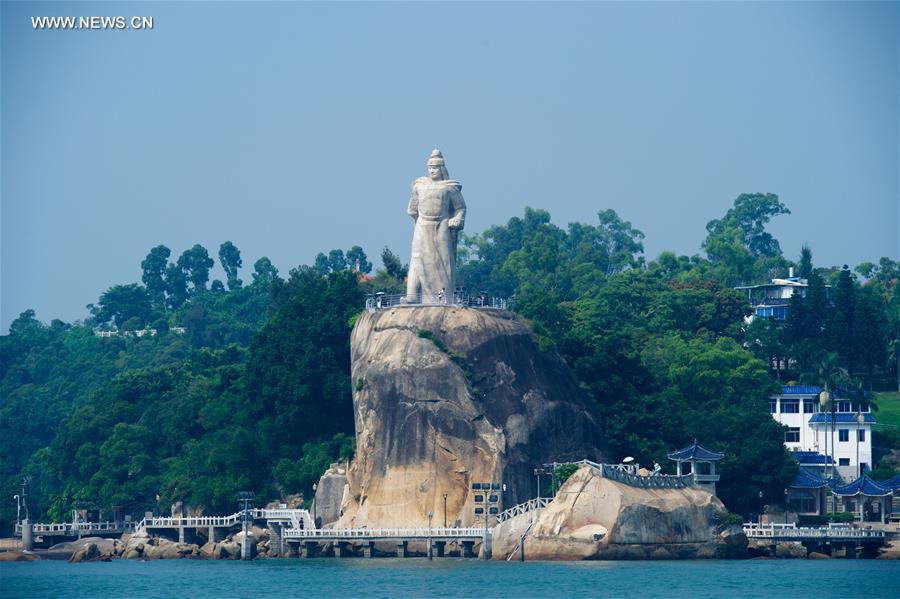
842	439
771	299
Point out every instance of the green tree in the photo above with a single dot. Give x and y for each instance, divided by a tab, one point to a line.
125	303
356	259
264	272
154	273
230	259
195	263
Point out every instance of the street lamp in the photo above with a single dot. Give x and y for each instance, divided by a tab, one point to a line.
824	404
760	507
785	505
18	510
445	510
430	516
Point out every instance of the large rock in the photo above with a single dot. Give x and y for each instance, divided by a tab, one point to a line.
448	396
593	517
331	492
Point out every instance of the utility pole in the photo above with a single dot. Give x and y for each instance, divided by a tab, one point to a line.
430	544
445	510
245	501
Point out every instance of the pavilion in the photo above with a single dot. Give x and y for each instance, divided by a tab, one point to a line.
700	462
867	493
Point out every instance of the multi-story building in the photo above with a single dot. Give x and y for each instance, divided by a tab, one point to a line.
771	300
843	435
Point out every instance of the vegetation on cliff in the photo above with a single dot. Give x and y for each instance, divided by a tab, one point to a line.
247	386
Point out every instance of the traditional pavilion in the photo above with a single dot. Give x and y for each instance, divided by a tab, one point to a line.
869	499
700	462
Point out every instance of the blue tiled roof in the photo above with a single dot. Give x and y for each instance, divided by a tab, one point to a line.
806	479
800	390
892	483
863	486
812	457
841	418
695	452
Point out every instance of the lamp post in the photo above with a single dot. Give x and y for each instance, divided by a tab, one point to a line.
860	419
785	505
445	510
824	402
18	510
430	544
760	507
245	500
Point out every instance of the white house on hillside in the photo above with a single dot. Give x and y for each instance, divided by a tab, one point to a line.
810	430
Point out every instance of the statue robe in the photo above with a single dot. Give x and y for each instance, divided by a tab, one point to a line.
439	211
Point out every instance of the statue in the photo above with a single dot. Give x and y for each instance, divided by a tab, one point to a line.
439	211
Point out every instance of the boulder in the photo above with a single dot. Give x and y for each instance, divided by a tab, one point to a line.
331	492
17	555
817	555
165	549
208	549
448	396
790	550
92	549
593	517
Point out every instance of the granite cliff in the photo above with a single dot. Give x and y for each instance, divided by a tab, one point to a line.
447	396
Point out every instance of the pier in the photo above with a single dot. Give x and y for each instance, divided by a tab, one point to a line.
824	539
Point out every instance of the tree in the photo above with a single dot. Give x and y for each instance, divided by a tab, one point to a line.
392	264
176	286
195	263
154	273
230	259
264	272
121	303
336	260
357	260
806	268
840	325
739	243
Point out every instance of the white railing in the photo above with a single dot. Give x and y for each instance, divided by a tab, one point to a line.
381	301
790	531
382	533
538	503
299	518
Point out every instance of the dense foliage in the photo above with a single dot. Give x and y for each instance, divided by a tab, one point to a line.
247	386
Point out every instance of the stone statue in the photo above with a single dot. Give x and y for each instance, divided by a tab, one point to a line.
439	211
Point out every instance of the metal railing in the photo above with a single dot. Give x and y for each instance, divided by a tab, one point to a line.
382	301
339	534
792	532
536	504
297	518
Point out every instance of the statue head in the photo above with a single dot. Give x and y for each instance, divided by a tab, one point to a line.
436	169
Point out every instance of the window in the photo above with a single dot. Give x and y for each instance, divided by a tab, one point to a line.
772	407
479	510
790	406
792	434
844	407
479	498
861	435
843	461
843	435
864	409
808	406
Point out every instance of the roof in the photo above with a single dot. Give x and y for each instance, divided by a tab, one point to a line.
842	418
862	486
892	483
695	452
800	390
807	479
812	458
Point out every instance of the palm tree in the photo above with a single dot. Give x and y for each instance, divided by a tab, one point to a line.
830	375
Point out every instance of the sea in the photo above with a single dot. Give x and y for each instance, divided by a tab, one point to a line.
452	577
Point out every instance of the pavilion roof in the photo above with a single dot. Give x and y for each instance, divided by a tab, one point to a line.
807	479
862	486
695	452
812	458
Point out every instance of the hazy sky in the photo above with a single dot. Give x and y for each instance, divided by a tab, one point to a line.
294	128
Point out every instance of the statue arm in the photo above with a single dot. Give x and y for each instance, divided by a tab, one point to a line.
457	210
413	208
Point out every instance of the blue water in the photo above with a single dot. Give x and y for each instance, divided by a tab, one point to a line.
416	577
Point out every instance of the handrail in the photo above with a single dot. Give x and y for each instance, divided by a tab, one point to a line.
381	533
782	531
382	301
538	503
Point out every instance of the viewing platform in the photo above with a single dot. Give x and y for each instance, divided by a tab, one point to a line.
383	301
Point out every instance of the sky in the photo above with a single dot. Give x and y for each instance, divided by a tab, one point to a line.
294	128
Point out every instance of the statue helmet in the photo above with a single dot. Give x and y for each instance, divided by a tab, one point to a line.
437	159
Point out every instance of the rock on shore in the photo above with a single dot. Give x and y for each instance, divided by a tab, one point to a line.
597	518
448	396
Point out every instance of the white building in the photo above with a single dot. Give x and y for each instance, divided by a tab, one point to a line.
772	299
844	436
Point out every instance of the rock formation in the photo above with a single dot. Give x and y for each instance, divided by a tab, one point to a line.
593	517
447	396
